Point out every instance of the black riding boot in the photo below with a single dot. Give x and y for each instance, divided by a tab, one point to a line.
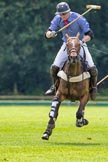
93	82
53	72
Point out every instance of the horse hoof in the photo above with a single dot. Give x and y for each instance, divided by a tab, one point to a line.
45	136
85	122
80	123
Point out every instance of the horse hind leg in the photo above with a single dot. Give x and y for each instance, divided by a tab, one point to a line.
53	116
80	121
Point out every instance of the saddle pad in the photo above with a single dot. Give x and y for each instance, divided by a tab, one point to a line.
78	78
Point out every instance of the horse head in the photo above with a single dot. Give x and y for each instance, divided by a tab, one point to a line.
73	47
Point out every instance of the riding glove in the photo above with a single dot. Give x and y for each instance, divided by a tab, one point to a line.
53	34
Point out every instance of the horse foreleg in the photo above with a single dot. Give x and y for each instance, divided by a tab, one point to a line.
80	121
53	114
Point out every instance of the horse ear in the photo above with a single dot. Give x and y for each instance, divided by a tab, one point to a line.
67	36
78	35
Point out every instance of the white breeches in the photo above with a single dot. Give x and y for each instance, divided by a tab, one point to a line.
62	56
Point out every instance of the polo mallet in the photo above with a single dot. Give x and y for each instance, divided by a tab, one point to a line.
89	7
102	80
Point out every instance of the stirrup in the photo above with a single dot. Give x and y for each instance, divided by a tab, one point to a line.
50	91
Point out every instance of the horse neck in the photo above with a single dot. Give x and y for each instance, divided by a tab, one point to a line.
73	69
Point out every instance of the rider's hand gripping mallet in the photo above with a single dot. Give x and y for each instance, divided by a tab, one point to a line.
89	7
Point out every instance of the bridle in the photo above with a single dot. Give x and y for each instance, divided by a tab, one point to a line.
73	47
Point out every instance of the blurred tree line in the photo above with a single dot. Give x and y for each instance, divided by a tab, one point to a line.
25	53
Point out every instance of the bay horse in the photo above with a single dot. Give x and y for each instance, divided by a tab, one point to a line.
73	85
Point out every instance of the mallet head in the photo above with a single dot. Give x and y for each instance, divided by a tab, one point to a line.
96	7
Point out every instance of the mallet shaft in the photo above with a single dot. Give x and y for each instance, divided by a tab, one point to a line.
102	80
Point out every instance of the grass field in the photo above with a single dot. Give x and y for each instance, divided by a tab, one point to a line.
21	128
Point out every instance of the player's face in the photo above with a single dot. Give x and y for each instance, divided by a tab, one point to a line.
65	16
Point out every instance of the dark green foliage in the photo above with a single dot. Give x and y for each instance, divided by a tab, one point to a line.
25	53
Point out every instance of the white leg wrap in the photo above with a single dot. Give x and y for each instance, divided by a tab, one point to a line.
54	109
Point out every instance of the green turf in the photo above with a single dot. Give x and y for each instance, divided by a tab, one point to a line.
21	128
